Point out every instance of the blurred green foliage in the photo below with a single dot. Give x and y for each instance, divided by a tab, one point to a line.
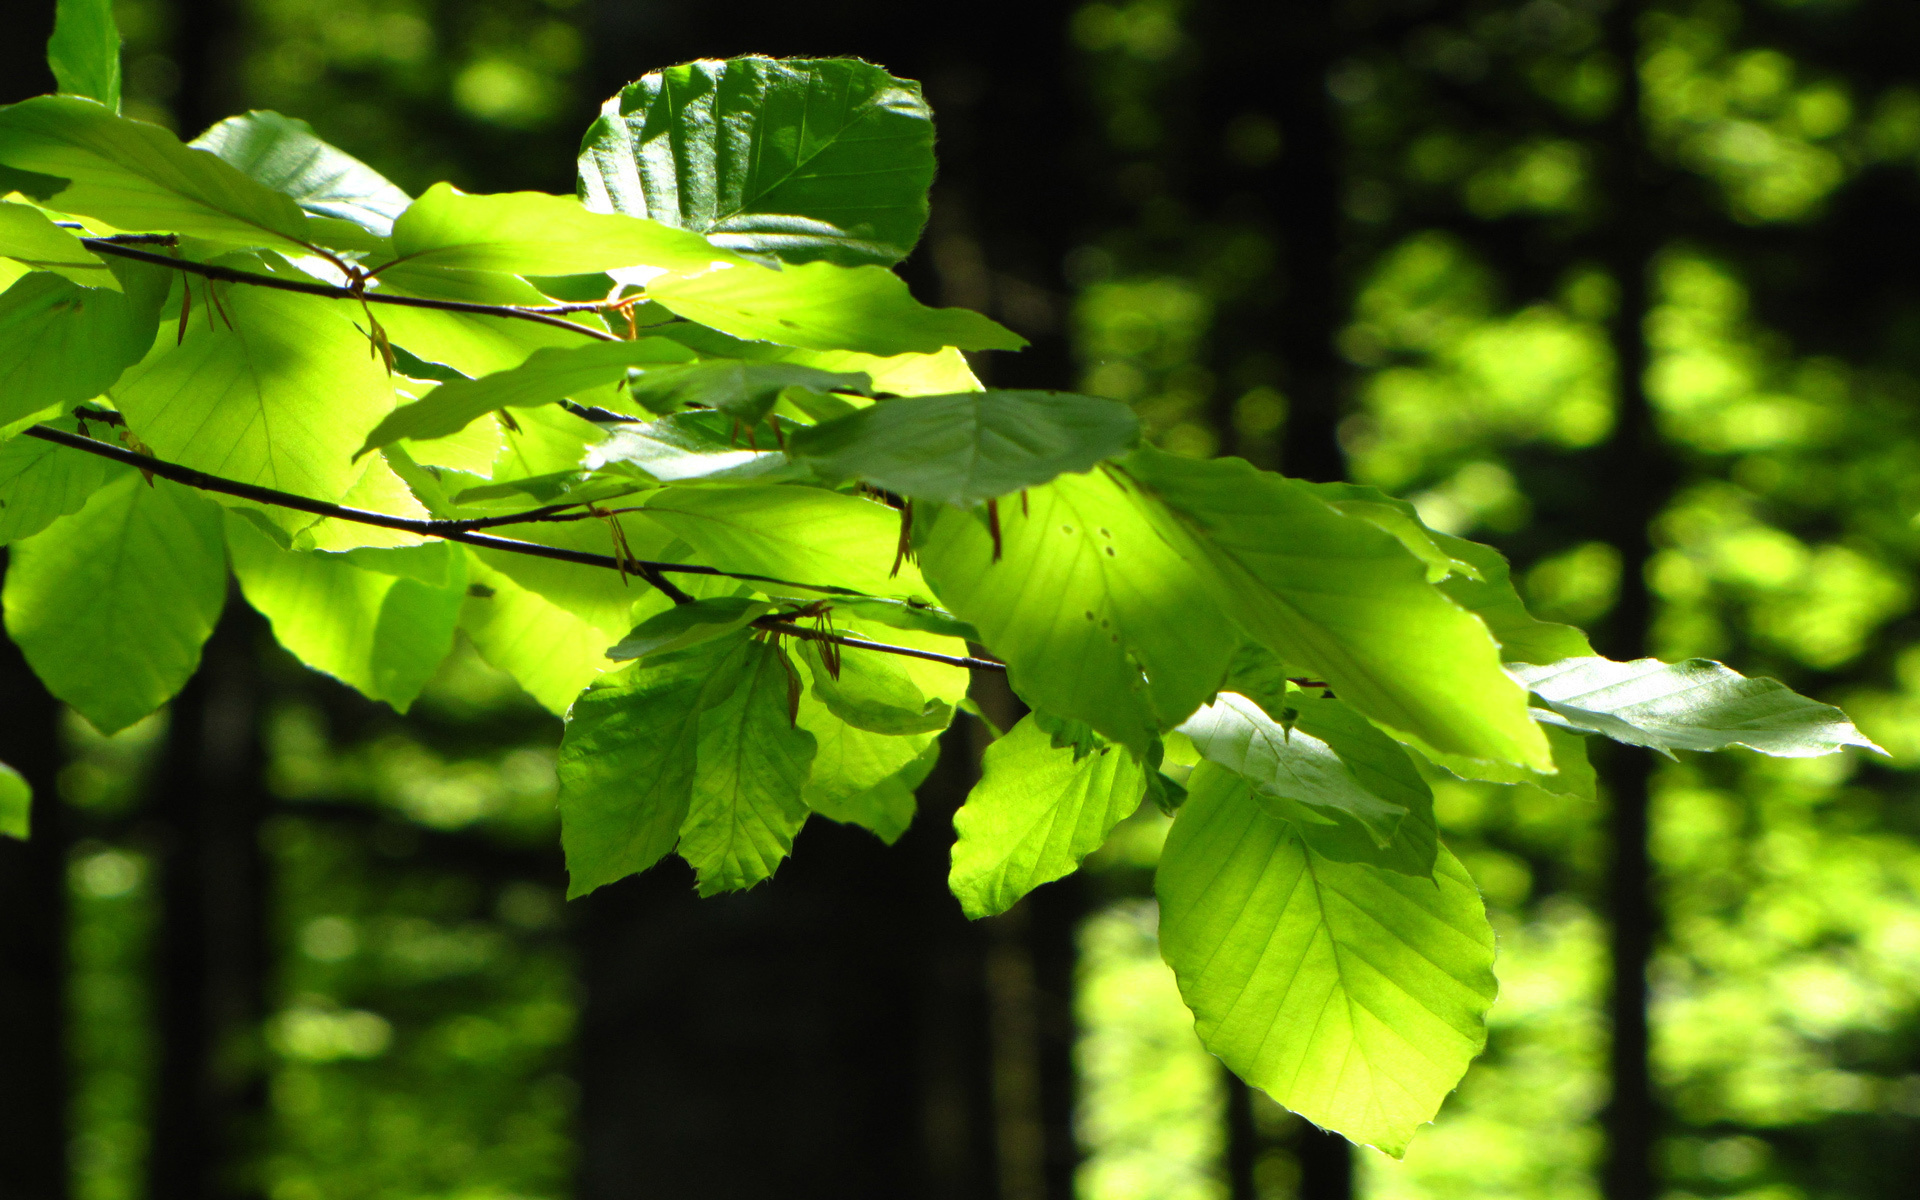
423	1006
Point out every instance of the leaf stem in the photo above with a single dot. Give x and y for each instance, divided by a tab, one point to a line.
464	531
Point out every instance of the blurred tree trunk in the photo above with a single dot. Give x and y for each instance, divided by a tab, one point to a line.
34	1133
860	975
211	955
1636	481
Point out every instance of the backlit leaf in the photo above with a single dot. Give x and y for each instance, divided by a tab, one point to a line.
84	51
1036	812
382	634
820	306
550	653
61	343
111	605
30	237
284	154
533	233
240	402
16	804
862	778
1697	704
1336	596
745	390
1354	996
627	760
1098	617
137	176
547	375
40	481
753	764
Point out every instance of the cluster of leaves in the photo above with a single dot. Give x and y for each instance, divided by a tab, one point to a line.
724	438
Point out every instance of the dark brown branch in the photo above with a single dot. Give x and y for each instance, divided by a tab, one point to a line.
462	531
540	316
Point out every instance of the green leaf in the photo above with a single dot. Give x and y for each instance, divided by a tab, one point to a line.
381	634
30	237
471	344
547	375
61	343
1346	601
686	625
1352	995
943	372
627	760
861	778
241	402
753	765
284	154
596	595
800	535
901	614
819	306
111	605
968	448
1476	577
16	804
137	176
889	693
799	158
533	233
550	653
692	447
1289	763
1096	614
745	390
1036	812
40	481
84	50
1573	774
1697	704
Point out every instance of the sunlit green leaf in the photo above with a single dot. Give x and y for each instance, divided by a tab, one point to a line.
533	233
1096	614
240	401
546	376
603	598
30	237
1289	763
40	481
381	634
744	390
1353	995
861	778
1476	577
686	625
820	306
799	158
627	759
549	652
111	605
1335	596
137	176
799	535
84	51
16	804
692	447
61	343
968	448
888	693
472	344
284	154
1697	704
1036	812
753	764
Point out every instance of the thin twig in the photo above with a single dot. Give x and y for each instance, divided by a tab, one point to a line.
786	628
331	292
462	531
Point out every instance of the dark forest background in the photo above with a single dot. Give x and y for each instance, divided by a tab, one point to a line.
1629	289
